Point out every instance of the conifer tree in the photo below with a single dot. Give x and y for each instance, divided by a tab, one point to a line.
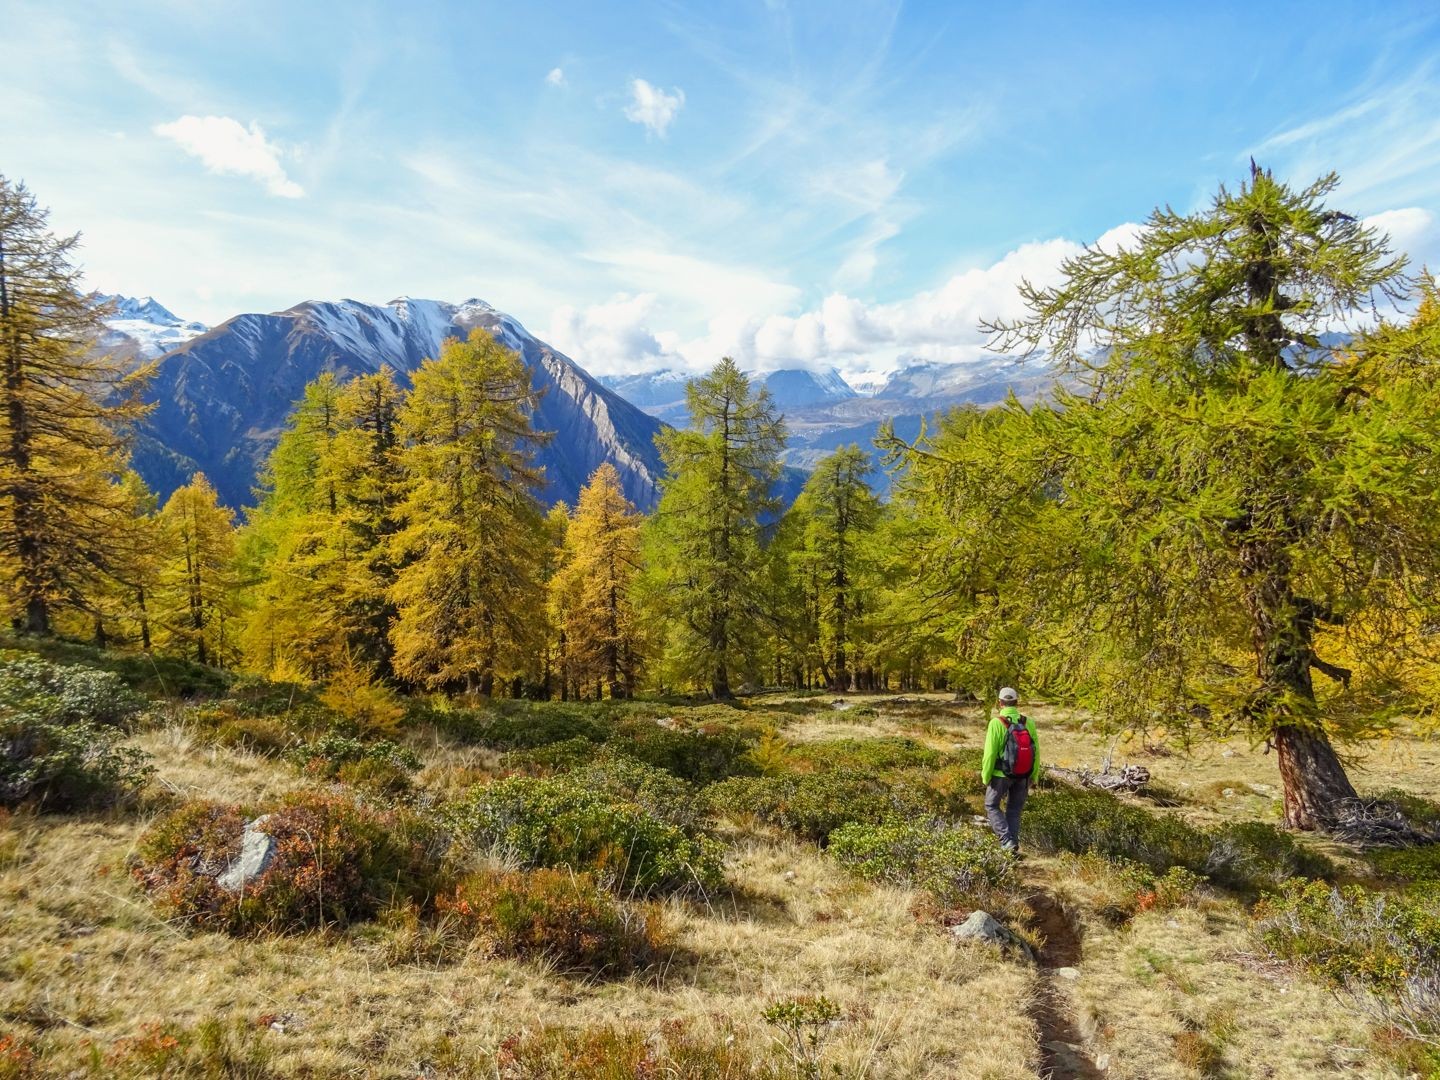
471	548
591	593
197	581
705	537
839	512
1186	537
64	409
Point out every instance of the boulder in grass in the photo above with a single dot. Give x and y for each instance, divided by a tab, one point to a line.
982	926
257	849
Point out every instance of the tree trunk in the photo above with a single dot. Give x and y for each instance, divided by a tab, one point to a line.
720	687
1314	780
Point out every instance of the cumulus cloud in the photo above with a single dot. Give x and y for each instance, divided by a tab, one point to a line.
612	337
556	77
1412	231
653	107
226	146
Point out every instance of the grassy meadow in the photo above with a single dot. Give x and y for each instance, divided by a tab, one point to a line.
797	938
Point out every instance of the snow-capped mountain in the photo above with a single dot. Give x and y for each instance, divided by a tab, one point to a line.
222	397
144	327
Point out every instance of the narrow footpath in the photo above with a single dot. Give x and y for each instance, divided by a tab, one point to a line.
1062	1048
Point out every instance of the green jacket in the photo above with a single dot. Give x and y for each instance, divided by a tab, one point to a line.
995	742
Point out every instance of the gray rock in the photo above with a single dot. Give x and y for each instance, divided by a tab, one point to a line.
982	926
257	848
1067	973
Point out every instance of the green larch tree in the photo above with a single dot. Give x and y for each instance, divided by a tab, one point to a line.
1215	503
197	579
705	539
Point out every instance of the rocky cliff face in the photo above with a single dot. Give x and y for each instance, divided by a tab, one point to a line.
222	398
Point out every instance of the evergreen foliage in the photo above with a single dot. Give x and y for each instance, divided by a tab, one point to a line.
1217	499
705	542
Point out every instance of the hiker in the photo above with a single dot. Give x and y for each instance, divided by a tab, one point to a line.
1012	755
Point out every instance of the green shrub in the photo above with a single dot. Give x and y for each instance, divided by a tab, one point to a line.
65	694
559	916
656	791
1411	865
1246	856
867	755
1421	811
813	805
334	862
701	757
60	736
560	821
562	756
329	754
1249	855
259	734
957	864
1352	936
520	728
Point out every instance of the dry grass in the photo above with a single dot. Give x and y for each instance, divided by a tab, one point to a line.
87	962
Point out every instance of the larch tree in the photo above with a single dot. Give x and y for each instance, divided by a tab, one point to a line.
64	413
839	512
705	545
290	547
197	581
471	547
1216	503
591	594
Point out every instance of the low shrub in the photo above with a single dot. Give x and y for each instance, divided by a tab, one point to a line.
957	864
53	758
562	756
1350	935
1247	856
65	694
658	792
1417	865
17	1059
615	1053
365	702
520	728
1421	811
558	916
814	805
330	755
334	862
867	755
701	757
560	821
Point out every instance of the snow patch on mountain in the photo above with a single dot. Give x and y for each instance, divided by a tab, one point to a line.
144	327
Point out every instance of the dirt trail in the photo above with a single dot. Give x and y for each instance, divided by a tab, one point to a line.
1062	1047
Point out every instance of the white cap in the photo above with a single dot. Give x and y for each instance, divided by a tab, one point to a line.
1008	695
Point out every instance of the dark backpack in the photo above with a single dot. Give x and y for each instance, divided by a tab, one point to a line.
1017	756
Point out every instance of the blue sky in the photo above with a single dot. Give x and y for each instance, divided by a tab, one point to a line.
655	184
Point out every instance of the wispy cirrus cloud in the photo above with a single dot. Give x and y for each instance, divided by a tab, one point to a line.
227	147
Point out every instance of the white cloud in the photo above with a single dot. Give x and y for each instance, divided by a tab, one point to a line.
612	337
556	77
226	146
1412	231
653	107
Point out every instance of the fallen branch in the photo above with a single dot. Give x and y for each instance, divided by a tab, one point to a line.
1377	823
1126	778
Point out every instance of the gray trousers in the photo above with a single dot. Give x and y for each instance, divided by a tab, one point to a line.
1006	822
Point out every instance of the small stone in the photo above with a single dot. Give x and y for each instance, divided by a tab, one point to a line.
1102	1062
840	705
789	875
1067	973
982	926
1228	753
257	848
1229	793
